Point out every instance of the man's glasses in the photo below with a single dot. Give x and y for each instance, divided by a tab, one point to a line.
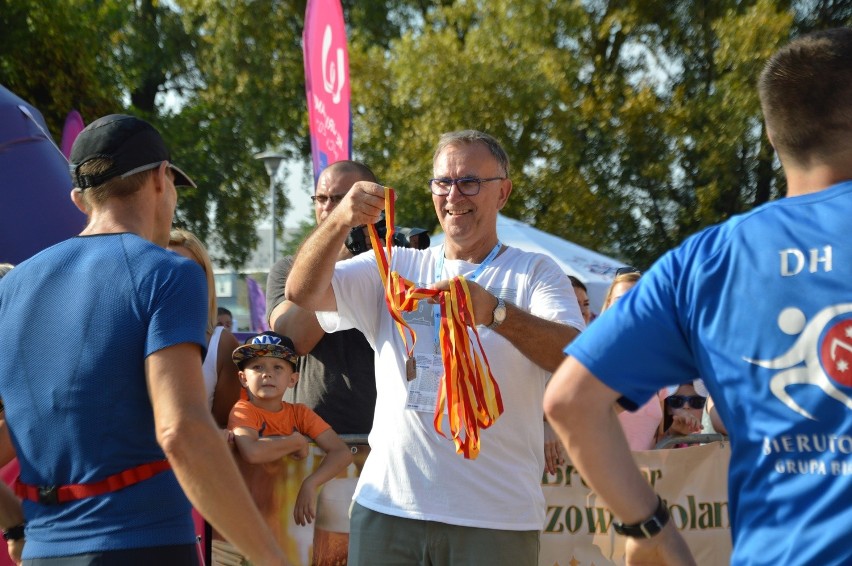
626	269
468	186
678	401
323	199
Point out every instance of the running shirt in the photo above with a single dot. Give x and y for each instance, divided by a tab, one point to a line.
761	308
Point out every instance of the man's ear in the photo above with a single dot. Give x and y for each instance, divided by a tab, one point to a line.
79	200
505	191
160	176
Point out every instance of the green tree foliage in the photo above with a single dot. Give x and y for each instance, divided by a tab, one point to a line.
48	56
630	124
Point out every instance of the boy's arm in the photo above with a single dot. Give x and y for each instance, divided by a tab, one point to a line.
257	450
337	457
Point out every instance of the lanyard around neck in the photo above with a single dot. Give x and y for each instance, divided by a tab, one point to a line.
439	273
467	389
439	263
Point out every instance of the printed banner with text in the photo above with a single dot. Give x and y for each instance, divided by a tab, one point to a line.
692	481
327	83
578	527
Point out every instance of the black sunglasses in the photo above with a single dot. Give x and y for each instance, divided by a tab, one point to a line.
678	401
626	269
322	199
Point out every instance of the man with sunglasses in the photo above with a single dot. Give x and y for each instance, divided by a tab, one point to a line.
759	306
336	375
107	416
418	501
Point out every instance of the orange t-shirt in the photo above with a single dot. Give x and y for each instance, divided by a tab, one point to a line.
292	417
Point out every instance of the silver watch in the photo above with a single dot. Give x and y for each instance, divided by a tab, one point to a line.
498	315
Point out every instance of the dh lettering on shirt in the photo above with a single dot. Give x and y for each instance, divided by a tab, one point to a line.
794	260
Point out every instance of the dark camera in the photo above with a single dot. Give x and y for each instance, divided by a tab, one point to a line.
416	238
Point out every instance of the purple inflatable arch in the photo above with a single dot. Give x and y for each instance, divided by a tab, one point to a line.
35	208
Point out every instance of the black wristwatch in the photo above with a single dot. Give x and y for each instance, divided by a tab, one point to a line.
14	533
647	528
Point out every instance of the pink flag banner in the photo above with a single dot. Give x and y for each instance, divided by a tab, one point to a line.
327	83
257	306
73	126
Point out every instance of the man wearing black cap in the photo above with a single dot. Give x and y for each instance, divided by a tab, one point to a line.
107	414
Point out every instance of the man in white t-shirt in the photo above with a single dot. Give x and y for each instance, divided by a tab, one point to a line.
417	500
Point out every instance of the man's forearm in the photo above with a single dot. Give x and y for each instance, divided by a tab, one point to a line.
213	484
7	449
11	512
309	282
579	407
199	456
541	341
299	325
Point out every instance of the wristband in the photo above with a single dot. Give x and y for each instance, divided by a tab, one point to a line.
14	533
647	528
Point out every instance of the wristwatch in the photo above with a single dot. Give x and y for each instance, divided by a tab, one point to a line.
14	533
498	315
647	528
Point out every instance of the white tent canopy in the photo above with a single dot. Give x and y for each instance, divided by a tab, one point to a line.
594	269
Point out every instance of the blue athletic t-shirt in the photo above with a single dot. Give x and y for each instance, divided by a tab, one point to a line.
76	324
761	308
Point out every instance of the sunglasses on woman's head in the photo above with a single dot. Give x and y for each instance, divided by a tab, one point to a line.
626	269
678	401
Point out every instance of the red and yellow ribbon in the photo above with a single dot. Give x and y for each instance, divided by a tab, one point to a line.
468	389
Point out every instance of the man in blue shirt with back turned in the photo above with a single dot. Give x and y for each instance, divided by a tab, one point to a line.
761	308
107	412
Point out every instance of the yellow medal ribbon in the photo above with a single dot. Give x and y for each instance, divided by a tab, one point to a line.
468	389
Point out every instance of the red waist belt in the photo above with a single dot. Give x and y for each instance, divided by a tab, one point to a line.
55	494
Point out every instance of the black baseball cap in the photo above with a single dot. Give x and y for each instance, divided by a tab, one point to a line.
131	143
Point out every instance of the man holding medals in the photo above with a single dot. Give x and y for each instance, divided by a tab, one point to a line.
419	499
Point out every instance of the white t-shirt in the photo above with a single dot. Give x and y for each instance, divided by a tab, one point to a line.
414	472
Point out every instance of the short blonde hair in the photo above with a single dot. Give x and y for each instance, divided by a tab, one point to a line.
631	277
191	243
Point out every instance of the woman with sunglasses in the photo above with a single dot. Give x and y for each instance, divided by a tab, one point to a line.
684	410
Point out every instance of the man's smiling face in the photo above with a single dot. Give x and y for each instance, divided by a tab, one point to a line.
469	221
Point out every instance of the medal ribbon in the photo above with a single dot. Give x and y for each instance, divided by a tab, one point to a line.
468	389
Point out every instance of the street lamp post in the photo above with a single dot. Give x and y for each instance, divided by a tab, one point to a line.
272	161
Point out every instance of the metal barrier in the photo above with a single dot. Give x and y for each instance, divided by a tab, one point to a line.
354	439
690	439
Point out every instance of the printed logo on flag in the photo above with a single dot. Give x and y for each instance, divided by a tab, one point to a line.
327	83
